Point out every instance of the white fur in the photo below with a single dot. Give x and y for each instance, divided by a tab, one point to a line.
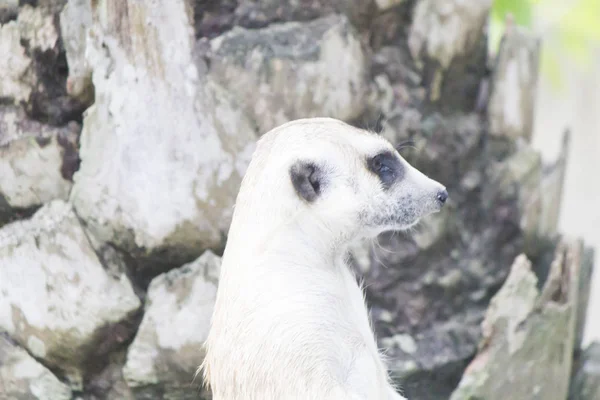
290	320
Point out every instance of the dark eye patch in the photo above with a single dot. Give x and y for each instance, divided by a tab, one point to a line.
387	167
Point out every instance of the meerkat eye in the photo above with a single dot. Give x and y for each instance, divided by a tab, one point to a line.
387	167
379	164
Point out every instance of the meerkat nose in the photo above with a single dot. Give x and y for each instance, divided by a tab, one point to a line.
442	196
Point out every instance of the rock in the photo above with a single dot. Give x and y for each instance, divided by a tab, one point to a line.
48	7
160	136
34	69
520	176
37	161
429	365
433	229
551	191
586	379
8	10
585	285
445	32
37	28
211	18
260	13
22	377
514	84
386	4
15	64
445	41
49	101
57	301
528	335
538	187
75	22
291	70
396	64
168	348
214	18
109	384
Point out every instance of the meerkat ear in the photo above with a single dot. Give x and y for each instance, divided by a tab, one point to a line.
307	179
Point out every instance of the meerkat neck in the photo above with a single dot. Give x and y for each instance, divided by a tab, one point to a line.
299	241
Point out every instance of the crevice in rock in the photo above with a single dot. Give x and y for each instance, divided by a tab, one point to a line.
70	144
49	102
213	17
10	214
116	338
145	267
7	15
32	3
390	27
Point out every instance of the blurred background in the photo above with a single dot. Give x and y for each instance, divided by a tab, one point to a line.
567	98
126	127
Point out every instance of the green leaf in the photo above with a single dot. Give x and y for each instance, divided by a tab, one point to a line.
520	9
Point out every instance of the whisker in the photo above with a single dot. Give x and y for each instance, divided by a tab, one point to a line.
375	242
406	143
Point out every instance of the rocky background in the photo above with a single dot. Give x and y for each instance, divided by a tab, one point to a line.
125	129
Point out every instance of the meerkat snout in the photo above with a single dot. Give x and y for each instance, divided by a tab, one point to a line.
442	196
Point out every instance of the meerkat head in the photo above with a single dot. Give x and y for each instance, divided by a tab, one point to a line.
353	181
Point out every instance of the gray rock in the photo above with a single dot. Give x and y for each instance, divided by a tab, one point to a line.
109	383
56	299
520	175
31	66
75	22
586	274
15	64
292	70
37	28
23	378
446	31
168	348
538	187
514	82
260	13
528	335
49	7
8	10
386	4
445	41
551	190
431	230
586	379
37	161
213	18
159	137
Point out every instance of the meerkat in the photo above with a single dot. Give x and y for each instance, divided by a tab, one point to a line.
290	319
